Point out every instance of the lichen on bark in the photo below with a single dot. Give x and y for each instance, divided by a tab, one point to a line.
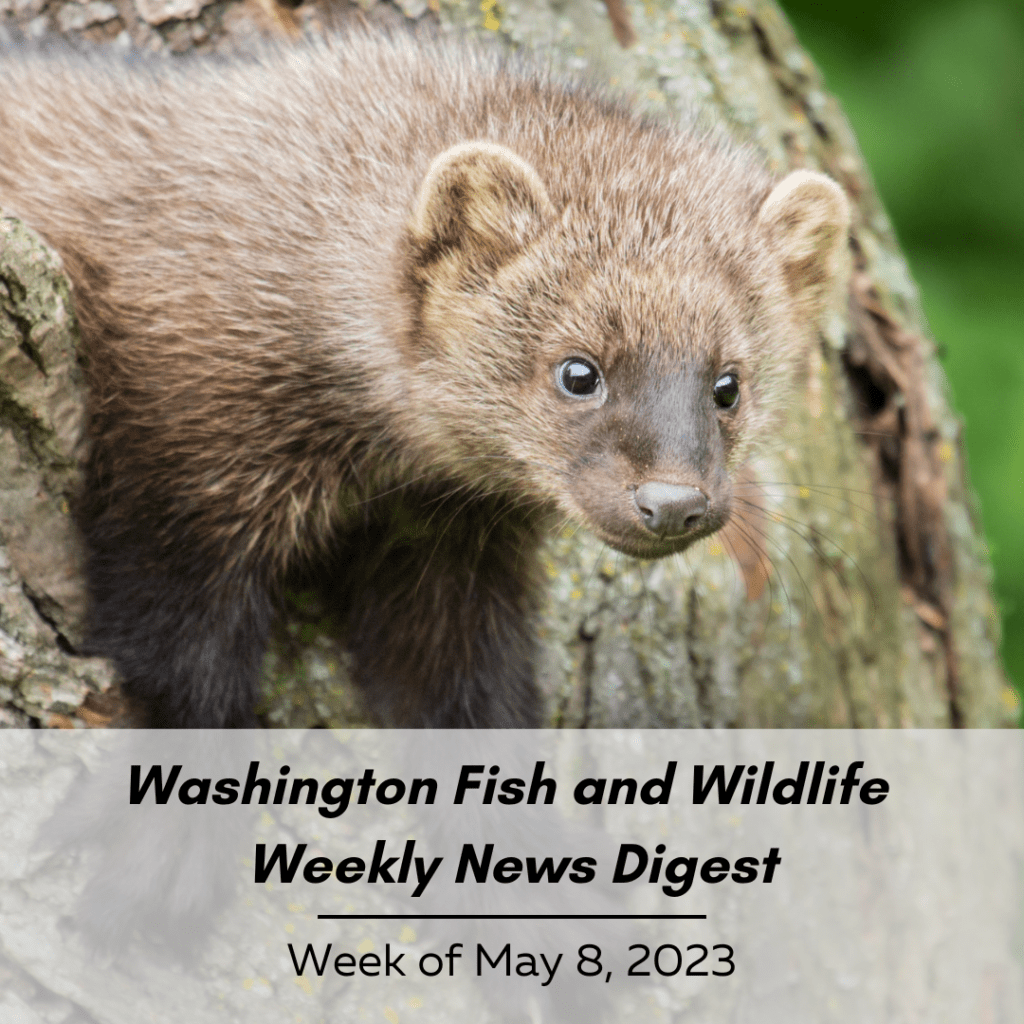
41	596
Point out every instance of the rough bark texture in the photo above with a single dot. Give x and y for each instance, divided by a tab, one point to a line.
877	608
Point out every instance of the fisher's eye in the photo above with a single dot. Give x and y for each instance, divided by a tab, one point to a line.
578	378
727	391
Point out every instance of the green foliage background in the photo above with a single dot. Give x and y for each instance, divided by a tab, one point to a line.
935	92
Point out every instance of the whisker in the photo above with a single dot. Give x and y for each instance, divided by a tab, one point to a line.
739	582
759	484
812	602
815	544
747	530
832	500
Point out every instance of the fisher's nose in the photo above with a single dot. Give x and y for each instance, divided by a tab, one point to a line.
670	510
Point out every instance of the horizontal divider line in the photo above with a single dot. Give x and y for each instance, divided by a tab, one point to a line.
512	917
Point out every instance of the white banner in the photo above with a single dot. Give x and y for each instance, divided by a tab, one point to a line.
749	877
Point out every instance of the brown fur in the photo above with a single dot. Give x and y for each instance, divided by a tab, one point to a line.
353	268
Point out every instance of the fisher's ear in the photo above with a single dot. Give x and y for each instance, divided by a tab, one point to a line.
479	199
807	217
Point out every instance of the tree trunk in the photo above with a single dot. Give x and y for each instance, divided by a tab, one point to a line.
863	601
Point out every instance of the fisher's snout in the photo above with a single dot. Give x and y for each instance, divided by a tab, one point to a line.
670	510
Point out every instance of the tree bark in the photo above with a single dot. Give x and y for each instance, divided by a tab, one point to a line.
866	598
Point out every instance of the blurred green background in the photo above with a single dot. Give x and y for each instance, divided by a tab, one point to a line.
935	92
